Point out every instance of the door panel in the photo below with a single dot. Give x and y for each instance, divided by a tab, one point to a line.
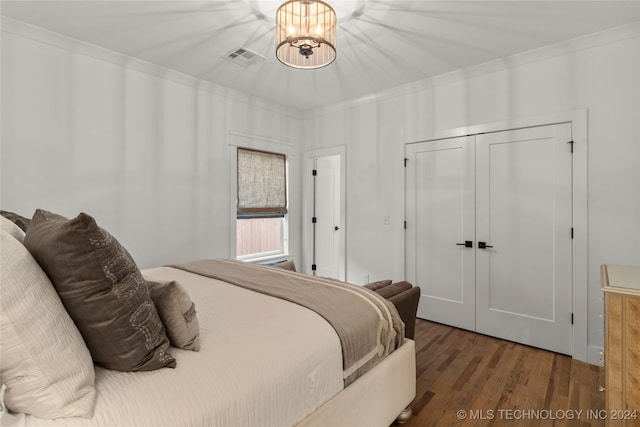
523	282
440	214
328	251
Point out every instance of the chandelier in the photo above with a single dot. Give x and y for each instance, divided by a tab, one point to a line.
306	34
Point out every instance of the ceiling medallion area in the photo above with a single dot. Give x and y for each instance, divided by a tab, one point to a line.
306	34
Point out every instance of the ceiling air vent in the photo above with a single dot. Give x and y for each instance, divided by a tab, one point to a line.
243	56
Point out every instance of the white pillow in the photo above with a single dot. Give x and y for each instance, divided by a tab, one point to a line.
12	228
46	365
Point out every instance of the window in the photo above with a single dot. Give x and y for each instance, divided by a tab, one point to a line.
261	204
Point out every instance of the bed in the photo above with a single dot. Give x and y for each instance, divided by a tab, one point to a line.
262	361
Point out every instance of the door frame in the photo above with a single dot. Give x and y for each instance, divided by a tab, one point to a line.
580	290
307	205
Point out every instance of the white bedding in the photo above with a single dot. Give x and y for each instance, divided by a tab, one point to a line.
256	367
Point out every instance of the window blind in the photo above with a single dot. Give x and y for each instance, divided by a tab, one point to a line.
262	184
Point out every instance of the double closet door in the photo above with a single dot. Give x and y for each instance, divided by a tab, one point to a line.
489	233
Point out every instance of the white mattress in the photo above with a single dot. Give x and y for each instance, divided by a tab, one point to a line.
262	362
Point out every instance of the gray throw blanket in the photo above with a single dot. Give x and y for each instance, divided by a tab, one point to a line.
368	326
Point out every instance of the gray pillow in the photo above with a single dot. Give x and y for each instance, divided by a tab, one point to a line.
178	314
102	290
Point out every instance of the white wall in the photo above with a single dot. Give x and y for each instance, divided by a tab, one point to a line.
600	73
145	150
142	149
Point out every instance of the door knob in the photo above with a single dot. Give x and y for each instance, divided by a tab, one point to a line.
336	228
483	245
466	244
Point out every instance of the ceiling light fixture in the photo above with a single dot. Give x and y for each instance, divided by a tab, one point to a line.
306	34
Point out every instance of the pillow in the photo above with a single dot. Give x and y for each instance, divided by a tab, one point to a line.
178	314
286	265
46	366
12	228
103	291
18	220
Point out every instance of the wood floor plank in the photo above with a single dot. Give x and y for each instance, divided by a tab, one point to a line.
499	383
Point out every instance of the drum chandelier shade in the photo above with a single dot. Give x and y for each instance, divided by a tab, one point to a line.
306	34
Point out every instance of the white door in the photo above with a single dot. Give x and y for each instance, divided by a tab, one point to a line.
328	230
509	196
440	182
523	202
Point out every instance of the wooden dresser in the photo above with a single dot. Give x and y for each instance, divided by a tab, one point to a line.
621	286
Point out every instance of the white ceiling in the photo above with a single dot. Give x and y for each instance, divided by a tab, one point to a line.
381	43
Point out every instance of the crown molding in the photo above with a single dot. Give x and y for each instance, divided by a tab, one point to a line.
601	38
19	28
57	40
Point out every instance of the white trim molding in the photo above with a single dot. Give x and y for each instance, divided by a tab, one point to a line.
610	35
80	47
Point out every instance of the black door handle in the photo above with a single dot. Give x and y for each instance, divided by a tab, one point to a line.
466	244
483	245
336	228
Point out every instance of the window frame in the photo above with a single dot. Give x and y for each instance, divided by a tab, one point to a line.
240	140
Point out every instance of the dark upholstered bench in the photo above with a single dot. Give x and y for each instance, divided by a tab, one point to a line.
404	297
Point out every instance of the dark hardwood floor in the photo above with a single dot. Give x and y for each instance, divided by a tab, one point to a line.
468	379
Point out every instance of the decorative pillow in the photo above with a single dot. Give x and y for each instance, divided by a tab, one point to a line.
18	220
286	265
103	291
12	228
46	366
178	314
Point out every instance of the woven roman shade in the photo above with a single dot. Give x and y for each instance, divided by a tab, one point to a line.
262	184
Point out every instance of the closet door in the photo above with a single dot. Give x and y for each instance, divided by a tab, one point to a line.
440	219
524	281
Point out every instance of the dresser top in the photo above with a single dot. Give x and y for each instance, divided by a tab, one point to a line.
620	278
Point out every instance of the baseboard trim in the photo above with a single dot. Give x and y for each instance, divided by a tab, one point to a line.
595	355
